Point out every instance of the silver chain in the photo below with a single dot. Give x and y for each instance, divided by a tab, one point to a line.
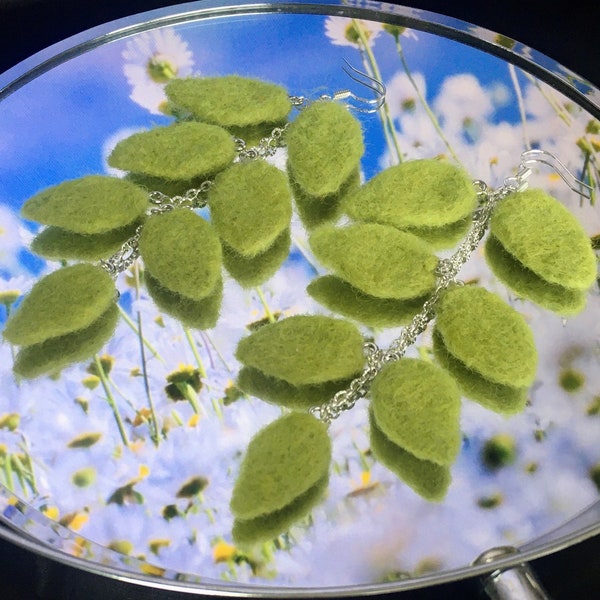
267	146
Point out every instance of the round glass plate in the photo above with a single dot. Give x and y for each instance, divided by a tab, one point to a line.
124	463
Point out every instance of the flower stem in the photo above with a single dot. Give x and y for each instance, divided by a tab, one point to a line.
521	104
194	348
135	329
269	314
111	400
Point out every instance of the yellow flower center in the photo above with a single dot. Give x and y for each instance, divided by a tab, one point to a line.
160	69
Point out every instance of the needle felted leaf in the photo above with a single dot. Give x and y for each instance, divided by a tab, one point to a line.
487	335
339	296
325	145
428	479
250	272
230	100
59	352
444	236
304	349
417	406
181	250
379	260
268	527
59	244
504	399
89	205
297	397
284	460
250	205
66	300
178	151
545	237
554	297
417	193
200	314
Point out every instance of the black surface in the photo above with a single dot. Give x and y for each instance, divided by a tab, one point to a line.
566	32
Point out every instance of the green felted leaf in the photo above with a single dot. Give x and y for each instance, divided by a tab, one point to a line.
298	397
181	250
199	314
253	134
62	302
284	460
417	406
89	205
317	211
169	187
230	100
527	284
325	145
500	398
60	244
304	349
487	335
417	193
57	353
250	206
250	272
545	237
428	479
444	236
379	260
178	151
268	527
339	296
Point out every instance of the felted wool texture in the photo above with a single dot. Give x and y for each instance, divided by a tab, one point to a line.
527	284
250	206
304	349
60	244
428	479
178	151
268	527
504	399
318	211
487	335
253	134
340	297
379	260
444	236
325	145
250	272
88	205
276	391
181	250
199	314
545	237
417	406
283	461
169	187
418	193
230	100
65	301
57	353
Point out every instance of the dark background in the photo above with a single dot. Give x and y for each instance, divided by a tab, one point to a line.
568	32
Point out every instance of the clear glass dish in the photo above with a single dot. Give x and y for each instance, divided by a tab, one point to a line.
96	460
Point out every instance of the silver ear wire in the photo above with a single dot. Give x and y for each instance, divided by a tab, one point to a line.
364	105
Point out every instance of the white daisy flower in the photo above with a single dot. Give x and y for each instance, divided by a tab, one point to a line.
152	59
343	31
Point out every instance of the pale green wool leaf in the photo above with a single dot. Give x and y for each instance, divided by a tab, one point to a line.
487	335
178	151
200	314
444	236
65	301
546	238
379	260
428	479
250	206
325	145
504	399
417	193
304	349
230	100
417	406
527	284
89	205
284	460
57	353
181	250
340	297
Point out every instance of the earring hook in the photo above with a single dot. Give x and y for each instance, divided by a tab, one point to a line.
359	103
